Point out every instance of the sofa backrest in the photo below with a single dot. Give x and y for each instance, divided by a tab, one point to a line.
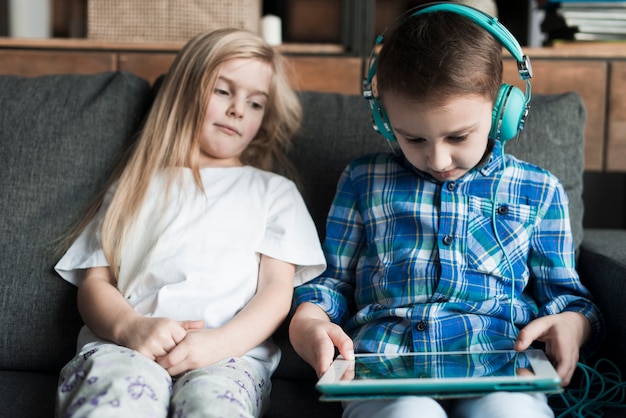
60	137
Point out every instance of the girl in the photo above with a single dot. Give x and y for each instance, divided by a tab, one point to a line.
185	266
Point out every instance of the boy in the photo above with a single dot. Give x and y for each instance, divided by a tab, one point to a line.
450	244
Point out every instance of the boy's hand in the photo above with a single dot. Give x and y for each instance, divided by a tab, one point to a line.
314	337
563	335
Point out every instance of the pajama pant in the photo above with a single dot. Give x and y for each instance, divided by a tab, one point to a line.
113	381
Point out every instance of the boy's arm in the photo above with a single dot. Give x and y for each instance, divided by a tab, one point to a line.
314	337
108	315
324	302
254	324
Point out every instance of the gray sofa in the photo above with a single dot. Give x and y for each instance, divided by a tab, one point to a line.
60	137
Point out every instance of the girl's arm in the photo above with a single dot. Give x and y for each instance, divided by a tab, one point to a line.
108	315
254	324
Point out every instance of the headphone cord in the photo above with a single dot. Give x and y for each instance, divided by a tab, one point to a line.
494	213
601	387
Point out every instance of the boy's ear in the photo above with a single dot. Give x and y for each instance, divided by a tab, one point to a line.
374	85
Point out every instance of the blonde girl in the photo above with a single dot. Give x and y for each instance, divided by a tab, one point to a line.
185	265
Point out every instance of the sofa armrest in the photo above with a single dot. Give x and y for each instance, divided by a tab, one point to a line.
602	269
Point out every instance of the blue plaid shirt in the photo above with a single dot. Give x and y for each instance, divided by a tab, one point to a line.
415	265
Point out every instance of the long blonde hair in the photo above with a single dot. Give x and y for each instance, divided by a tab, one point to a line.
170	136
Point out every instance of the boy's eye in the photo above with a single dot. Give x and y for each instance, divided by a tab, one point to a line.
415	140
457	138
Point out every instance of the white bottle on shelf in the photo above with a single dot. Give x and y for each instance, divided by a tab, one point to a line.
30	18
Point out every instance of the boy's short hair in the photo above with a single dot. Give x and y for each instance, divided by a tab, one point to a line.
434	56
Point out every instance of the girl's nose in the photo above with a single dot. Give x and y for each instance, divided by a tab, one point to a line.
236	109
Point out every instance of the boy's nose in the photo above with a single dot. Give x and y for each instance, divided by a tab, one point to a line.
439	158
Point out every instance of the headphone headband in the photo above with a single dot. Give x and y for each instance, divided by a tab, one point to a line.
490	24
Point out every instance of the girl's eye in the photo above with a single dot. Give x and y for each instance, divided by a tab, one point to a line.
221	92
257	104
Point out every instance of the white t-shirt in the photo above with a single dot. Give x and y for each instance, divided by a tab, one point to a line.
197	256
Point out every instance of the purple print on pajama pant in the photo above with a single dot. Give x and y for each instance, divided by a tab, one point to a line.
113	381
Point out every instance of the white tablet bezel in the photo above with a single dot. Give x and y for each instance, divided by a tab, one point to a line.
333	387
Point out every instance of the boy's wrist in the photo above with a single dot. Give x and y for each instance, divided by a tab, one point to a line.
310	310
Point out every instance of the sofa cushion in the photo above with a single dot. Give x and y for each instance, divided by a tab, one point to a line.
338	128
59	139
602	270
554	139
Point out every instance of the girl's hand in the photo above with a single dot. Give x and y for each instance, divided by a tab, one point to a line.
563	335
199	348
155	337
314	338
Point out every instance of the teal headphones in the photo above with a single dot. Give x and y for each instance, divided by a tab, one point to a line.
511	105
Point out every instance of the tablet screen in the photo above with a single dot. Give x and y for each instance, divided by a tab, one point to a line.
449	365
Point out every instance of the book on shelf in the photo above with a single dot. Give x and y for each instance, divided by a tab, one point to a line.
586	21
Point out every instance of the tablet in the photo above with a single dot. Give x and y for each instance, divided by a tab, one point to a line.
438	375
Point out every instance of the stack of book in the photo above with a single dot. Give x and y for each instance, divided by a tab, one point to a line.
585	21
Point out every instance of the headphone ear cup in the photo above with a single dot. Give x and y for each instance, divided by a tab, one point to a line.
381	121
508	112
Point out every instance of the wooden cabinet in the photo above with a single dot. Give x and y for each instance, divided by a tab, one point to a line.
36	62
616	136
587	78
327	72
148	65
596	72
317	73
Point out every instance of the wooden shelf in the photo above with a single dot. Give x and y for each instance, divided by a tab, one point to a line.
99	45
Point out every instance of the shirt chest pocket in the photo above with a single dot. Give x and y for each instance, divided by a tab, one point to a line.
486	248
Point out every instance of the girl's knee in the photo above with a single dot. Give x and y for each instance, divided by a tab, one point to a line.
114	379
229	388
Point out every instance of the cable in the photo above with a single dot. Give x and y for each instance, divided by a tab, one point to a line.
494	212
601	387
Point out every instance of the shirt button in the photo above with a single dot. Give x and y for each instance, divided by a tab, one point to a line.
447	240
451	186
503	210
420	326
